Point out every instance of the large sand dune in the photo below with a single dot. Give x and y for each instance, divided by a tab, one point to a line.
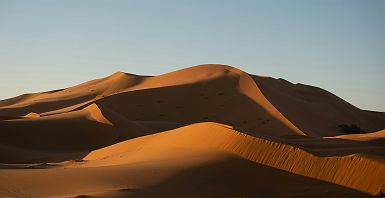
203	131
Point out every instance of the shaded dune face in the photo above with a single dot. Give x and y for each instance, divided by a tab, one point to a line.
218	100
315	111
209	124
85	129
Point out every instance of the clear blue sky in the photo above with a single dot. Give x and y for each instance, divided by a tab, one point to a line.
338	45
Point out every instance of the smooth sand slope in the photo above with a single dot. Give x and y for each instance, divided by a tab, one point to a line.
69	98
129	135
277	155
200	160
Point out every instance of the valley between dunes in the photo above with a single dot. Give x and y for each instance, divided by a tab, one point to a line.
204	131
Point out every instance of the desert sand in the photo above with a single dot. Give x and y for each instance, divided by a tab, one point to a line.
204	131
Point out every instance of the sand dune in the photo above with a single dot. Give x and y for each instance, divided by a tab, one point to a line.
203	131
152	165
277	155
65	98
81	130
232	90
206	174
210	83
364	137
230	96
320	111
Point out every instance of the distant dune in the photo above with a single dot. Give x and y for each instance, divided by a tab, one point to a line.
204	131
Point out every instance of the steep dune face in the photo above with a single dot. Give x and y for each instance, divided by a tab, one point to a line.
316	111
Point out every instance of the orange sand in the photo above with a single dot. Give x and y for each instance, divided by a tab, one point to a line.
203	131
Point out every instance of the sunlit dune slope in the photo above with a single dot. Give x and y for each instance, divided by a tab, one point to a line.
213	136
199	160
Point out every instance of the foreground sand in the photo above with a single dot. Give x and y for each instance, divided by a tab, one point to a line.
127	135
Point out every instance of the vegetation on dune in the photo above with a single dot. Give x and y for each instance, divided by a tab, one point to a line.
352	128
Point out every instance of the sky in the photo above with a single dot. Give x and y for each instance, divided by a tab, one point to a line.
338	45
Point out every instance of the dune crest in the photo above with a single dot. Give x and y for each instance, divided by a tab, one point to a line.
96	114
364	137
32	115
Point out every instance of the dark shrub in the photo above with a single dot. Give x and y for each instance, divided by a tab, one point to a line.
352	128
